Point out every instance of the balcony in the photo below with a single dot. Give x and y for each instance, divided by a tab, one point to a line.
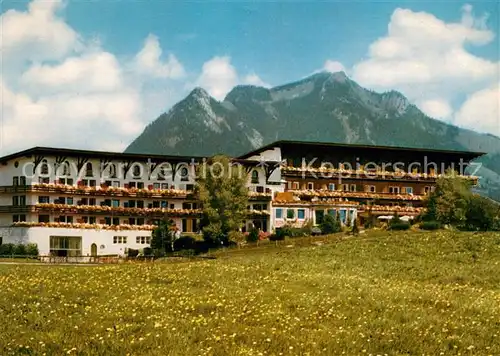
85	226
99	191
333	173
387	209
355	195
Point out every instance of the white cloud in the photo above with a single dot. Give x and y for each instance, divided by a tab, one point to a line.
436	108
37	34
481	111
428	60
219	76
333	66
254	79
60	89
148	61
99	71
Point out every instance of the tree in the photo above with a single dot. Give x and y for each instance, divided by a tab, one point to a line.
355	228
223	194
448	204
163	237
330	224
481	213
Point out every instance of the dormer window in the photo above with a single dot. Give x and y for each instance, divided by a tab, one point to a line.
136	172
255	177
65	169
89	171
184	174
112	170
44	168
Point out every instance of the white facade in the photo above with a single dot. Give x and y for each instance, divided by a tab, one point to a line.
47	193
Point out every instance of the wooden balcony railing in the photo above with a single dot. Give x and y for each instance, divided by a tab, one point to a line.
388	209
85	226
357	195
333	173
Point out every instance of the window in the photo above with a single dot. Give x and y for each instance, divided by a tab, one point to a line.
15	201
131	221
140	185
112	170
156	186
65	169
408	190
187	206
44	168
116	221
69	201
89	170
15	181
66	181
353	187
164	186
310	186
107	220
279	213
116	184
140	204
156	204
343	215
43	180
259	189
22	200
394	190
119	239
301	214
189	187
290	214
332	212
65	246
295	185
22	180
184	174
92	201
371	188
331	187
140	221
143	240
131	184
255	177
92	219
43	200
19	218
115	203
43	218
136	172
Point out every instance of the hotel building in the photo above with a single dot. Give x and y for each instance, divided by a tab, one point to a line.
89	203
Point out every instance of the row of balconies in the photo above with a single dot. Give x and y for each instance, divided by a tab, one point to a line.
333	173
104	190
356	195
107	210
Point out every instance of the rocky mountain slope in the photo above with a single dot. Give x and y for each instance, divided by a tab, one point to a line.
323	107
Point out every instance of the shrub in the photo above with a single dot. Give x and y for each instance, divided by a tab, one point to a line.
19	250
430	225
282	232
32	250
276	237
401	225
184	243
330	225
253	235
6	249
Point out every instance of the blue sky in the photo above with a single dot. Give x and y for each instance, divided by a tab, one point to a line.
218	44
281	41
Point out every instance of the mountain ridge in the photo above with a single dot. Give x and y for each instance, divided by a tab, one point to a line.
326	107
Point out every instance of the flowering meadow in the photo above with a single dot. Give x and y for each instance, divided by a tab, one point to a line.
391	293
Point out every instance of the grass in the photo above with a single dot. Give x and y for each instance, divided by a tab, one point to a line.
430	293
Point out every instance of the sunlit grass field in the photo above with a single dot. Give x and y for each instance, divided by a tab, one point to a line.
429	293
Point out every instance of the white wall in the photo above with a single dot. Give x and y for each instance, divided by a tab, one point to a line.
102	238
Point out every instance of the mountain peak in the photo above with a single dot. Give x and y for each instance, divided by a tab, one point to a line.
199	92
